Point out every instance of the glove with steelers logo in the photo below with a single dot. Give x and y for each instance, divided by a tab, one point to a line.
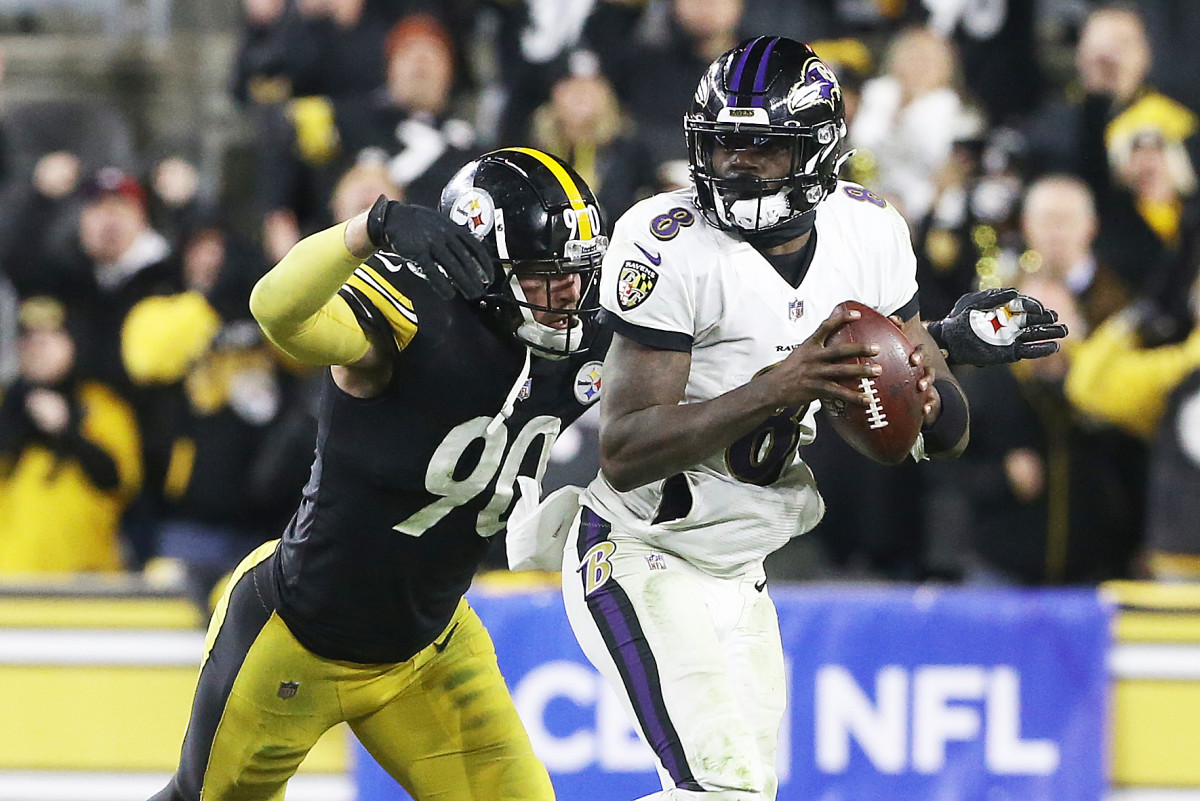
997	326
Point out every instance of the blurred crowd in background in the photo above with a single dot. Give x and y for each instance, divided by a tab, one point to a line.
1046	144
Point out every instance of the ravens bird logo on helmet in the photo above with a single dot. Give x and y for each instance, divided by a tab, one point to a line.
767	92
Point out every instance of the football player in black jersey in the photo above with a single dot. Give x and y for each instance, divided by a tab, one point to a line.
460	343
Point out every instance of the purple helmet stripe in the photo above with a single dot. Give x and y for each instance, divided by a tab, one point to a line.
761	74
736	80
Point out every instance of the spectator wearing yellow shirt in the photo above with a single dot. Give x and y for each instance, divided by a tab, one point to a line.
1112	378
220	391
69	456
1154	393
1053	498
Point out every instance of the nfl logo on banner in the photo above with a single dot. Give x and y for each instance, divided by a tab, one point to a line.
795	309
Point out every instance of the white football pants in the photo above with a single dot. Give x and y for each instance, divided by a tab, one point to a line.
696	660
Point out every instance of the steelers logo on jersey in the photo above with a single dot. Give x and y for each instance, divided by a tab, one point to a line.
634	284
587	383
475	210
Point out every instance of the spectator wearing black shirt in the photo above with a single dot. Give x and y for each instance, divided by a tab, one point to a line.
331	48
409	122
583	123
1054	497
1091	134
697	32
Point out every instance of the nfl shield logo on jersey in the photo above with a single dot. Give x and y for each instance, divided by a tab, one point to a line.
634	284
288	689
795	309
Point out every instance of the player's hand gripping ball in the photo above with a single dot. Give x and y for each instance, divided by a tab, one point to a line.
885	429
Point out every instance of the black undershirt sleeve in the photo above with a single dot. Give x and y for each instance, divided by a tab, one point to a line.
650	337
909	310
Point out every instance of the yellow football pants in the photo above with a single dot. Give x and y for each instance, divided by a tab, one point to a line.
442	723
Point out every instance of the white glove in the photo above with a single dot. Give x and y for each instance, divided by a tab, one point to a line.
537	532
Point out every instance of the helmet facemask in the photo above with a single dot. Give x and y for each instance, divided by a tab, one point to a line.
542	226
749	203
566	331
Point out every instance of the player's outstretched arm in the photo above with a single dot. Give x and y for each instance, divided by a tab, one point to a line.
647	434
296	302
997	326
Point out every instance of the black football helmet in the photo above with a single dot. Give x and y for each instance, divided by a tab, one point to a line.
537	218
767	91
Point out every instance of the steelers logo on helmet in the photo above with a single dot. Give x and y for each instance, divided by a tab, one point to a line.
542	226
635	282
475	210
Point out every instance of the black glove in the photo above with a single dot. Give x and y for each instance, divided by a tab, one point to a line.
444	254
997	326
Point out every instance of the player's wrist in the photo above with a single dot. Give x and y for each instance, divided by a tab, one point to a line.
357	239
376	221
773	395
951	421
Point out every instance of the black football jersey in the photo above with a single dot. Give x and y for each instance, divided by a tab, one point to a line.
407	487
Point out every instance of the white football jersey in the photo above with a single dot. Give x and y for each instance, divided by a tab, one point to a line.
668	270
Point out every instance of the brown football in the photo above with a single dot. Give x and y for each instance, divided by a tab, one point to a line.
886	430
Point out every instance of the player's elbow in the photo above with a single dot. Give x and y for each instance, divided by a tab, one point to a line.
638	449
620	466
265	306
619	474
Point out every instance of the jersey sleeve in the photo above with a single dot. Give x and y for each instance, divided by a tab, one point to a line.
645	285
380	307
897	268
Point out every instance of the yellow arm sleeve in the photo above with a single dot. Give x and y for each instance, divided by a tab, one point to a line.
163	335
1115	381
298	307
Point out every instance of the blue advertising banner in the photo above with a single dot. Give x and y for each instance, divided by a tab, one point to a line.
896	693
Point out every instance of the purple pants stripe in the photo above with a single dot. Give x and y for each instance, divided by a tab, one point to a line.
626	642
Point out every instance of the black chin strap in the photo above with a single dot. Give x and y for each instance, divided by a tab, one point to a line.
782	233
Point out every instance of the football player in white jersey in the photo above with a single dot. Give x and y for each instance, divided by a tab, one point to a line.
721	298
